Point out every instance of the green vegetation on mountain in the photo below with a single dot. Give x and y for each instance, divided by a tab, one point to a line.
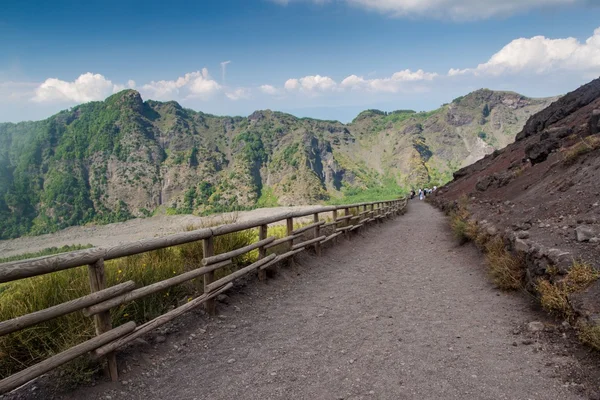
121	158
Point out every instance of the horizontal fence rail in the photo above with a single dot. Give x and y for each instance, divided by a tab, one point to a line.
101	299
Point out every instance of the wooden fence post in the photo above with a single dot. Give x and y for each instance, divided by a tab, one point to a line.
290	229
317	232
262	252
334	215
208	250
102	321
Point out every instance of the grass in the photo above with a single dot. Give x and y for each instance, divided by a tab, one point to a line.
267	198
506	269
463	228
29	346
589	335
46	252
554	296
586	145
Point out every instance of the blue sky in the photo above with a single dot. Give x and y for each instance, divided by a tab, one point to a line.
322	58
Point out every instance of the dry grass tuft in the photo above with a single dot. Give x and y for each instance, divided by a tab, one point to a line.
590	335
554	296
482	239
586	145
506	270
461	226
472	229
458	224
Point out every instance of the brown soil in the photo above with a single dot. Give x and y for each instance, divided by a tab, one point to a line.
538	192
402	312
553	196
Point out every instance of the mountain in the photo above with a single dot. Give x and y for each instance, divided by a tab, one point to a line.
123	157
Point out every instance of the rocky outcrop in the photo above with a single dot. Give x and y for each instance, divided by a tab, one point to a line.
540	194
565	106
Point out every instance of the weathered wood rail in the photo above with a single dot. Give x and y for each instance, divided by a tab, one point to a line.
101	299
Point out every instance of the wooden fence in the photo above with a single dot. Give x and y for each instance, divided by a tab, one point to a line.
102	299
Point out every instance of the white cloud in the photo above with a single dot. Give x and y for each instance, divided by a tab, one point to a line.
86	87
449	9
311	84
191	85
540	55
291	84
238	94
268	89
396	83
317	84
458	9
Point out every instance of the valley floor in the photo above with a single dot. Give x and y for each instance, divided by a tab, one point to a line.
129	231
401	313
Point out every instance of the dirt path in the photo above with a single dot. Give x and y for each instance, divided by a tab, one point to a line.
403	313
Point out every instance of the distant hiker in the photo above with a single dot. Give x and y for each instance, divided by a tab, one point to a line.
434	188
412	194
421	194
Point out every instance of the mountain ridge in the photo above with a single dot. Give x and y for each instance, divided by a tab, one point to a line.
123	157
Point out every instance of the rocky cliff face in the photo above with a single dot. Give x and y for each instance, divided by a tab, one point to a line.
113	160
541	195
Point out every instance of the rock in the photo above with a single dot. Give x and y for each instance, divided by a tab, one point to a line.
160	339
223	298
535	326
538	152
560	132
231	361
523	235
527	342
595	240
491	231
562	259
586	304
584	233
484	183
521	245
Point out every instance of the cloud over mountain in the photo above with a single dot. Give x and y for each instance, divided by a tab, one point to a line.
191	85
87	87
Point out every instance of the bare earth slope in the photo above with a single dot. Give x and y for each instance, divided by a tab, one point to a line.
542	192
402	313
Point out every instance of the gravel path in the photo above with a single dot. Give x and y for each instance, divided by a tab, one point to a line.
402	313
